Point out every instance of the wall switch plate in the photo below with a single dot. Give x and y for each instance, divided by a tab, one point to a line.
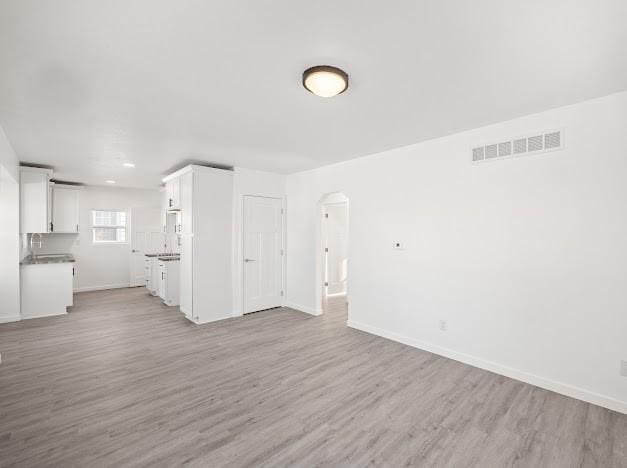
443	325
623	368
398	245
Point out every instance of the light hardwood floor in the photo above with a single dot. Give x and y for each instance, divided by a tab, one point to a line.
125	381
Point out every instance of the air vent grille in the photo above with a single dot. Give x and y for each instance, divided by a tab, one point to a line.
491	151
534	144
477	154
505	149
520	146
552	140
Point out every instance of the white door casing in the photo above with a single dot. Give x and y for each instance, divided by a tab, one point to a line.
336	242
262	253
146	236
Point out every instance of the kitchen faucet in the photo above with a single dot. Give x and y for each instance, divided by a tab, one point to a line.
31	242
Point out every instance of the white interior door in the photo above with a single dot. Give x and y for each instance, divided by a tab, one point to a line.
146	237
336	239
263	273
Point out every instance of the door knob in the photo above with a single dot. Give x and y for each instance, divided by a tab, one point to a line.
134	250
246	260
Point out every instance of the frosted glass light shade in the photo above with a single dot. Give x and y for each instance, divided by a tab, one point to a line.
325	81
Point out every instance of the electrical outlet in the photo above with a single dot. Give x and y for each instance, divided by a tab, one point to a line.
623	368
443	325
398	245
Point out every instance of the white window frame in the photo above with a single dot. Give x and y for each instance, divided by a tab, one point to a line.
126	226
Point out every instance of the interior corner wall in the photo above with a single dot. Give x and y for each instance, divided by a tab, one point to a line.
9	232
256	183
525	258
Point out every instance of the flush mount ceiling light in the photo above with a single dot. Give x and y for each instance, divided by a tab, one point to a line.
127	164
110	181
325	80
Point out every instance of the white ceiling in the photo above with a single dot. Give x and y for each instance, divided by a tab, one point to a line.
88	84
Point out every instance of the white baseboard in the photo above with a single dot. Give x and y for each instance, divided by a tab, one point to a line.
53	314
203	322
548	384
300	308
102	287
11	318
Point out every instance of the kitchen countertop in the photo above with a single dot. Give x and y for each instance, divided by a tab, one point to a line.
170	258
50	258
162	254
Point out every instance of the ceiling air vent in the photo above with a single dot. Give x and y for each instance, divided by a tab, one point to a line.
534	144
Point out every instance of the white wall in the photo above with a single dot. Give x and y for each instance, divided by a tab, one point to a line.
9	232
102	266
524	258
249	182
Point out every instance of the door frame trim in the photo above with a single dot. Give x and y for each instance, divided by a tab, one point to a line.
319	288
325	243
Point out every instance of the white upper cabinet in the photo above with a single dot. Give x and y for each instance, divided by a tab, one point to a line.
173	191
35	200
46	206
185	191
65	199
165	200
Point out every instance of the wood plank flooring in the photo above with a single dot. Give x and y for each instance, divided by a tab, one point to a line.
126	381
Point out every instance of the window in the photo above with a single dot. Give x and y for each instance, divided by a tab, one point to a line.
108	226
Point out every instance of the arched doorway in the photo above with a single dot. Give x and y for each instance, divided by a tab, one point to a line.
332	271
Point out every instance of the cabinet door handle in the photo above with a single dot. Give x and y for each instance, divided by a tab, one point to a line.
161	275
77	228
51	227
72	271
170	202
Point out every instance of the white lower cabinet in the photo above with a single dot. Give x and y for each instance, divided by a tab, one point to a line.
152	274
155	276
148	274
46	289
169	281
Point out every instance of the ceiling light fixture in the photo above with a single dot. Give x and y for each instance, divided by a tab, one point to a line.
110	181
325	80
128	164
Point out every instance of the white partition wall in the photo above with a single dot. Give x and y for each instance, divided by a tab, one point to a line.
524	259
248	182
206	238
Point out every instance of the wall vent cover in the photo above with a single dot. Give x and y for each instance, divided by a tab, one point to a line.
532	144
